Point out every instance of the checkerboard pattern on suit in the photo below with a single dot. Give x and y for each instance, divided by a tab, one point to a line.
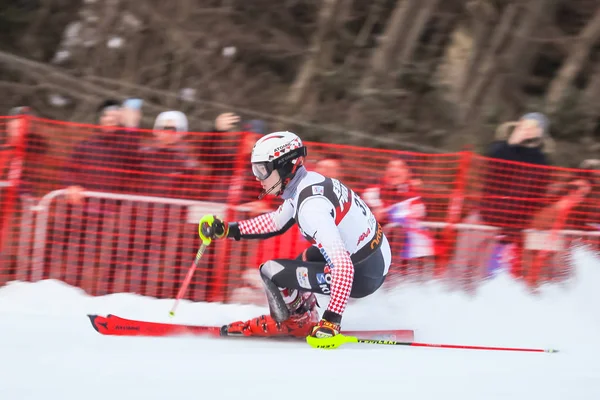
342	276
264	223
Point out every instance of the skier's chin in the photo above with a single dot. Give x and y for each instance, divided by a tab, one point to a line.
273	190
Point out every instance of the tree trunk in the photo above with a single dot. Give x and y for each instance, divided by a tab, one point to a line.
589	104
392	39
310	65
414	35
310	106
573	64
29	37
523	49
112	10
518	58
381	57
486	74
376	9
483	28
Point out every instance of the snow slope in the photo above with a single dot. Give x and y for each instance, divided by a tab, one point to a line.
50	351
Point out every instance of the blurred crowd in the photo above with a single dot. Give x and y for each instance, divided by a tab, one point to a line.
511	189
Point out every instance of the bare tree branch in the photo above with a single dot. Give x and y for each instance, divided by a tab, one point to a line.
484	78
416	30
573	64
310	65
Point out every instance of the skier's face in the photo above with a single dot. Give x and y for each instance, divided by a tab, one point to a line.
270	181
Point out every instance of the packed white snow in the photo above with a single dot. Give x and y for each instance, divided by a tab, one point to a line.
50	350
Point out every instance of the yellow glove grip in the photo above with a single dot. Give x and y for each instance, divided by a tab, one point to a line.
207	219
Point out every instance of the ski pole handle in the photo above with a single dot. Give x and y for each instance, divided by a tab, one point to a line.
205	229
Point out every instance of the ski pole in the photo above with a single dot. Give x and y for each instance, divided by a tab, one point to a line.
206	239
336	341
353	339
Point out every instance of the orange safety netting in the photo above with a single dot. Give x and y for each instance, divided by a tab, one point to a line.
117	211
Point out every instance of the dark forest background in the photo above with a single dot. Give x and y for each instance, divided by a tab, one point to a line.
426	75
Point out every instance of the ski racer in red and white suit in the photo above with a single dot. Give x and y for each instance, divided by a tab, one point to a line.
349	257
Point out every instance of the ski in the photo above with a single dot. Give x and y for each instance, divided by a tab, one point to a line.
112	325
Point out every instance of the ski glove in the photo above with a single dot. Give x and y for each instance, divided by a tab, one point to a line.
211	227
325	329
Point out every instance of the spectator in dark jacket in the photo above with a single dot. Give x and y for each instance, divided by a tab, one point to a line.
168	166
106	161
516	178
220	152
514	185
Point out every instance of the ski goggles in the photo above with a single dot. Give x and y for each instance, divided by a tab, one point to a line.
262	170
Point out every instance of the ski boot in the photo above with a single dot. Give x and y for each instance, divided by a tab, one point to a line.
303	317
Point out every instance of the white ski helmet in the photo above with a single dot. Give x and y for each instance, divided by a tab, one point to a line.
281	151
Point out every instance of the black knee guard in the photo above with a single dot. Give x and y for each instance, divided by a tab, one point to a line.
279	310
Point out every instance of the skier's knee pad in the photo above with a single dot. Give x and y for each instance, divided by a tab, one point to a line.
270	268
277	304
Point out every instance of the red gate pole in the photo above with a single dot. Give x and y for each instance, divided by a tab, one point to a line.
448	235
8	205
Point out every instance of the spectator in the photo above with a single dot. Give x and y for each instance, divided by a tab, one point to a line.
221	154
167	164
255	126
575	204
514	187
586	216
11	214
397	200
513	192
34	144
225	122
104	162
330	166
132	113
545	246
395	186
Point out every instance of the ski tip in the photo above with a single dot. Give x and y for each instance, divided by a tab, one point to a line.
551	350
92	318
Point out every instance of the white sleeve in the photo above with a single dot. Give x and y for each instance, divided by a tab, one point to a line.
315	218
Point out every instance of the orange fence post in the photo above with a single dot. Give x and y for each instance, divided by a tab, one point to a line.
15	170
448	235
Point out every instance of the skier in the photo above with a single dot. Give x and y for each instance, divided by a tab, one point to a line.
349	257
